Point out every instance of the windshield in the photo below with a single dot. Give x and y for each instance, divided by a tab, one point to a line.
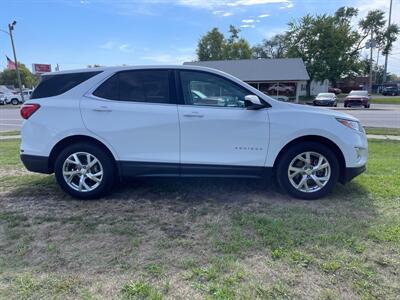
327	95
358	93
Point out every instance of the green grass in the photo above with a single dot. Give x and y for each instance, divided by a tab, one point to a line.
382	131
140	290
9	153
8	133
201	239
386	100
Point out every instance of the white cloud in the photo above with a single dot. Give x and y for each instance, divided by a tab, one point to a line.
110	45
263	15
247	26
124	48
248	21
212	4
222	13
168	58
287	6
255	2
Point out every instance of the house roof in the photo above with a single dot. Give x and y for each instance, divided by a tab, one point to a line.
282	69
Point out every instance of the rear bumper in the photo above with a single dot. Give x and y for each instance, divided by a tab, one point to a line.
350	173
35	163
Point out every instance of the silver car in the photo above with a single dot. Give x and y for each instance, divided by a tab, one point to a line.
325	99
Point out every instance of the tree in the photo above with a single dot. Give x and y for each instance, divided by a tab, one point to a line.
328	44
271	48
214	46
235	47
211	46
9	77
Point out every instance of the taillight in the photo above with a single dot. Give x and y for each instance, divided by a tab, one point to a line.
28	109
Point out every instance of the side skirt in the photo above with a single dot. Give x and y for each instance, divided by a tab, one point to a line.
151	169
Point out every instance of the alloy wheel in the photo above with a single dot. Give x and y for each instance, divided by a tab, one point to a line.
82	171
309	172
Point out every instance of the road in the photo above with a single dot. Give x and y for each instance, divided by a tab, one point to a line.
379	115
10	119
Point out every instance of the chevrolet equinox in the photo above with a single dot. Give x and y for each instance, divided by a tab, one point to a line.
91	127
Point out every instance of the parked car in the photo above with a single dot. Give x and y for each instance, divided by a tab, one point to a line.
391	91
281	98
325	99
118	122
279	88
13	98
2	98
357	98
27	94
336	91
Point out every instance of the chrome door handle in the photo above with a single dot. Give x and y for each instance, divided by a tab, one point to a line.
193	116
102	109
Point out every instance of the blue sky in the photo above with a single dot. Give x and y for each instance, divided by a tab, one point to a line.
76	33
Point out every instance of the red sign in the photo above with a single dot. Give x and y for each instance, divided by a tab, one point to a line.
41	68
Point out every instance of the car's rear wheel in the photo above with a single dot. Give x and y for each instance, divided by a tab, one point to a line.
84	171
14	102
308	170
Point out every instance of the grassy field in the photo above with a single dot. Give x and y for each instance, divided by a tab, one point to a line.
382	131
386	100
200	239
8	133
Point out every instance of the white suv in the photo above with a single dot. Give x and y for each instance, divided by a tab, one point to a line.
92	127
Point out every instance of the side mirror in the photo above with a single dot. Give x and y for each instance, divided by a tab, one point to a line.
253	102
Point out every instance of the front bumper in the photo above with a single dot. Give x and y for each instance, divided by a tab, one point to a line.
35	163
324	103
350	173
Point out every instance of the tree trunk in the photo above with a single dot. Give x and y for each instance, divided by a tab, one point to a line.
308	88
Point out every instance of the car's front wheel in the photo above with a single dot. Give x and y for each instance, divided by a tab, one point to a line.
84	171
308	170
14	102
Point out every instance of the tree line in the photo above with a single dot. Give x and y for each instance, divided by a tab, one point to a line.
329	45
9	77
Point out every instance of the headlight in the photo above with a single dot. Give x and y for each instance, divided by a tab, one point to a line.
351	124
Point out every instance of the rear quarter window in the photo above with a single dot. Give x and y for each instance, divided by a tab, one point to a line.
54	85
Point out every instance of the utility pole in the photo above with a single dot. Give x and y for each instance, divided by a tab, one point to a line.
387	54
10	30
371	45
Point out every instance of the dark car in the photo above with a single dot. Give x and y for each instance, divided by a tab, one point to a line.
357	98
336	91
325	99
391	91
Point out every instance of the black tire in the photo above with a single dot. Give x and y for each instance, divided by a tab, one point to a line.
106	161
14	101
291	153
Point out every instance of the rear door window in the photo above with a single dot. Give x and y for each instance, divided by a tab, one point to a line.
151	86
54	85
